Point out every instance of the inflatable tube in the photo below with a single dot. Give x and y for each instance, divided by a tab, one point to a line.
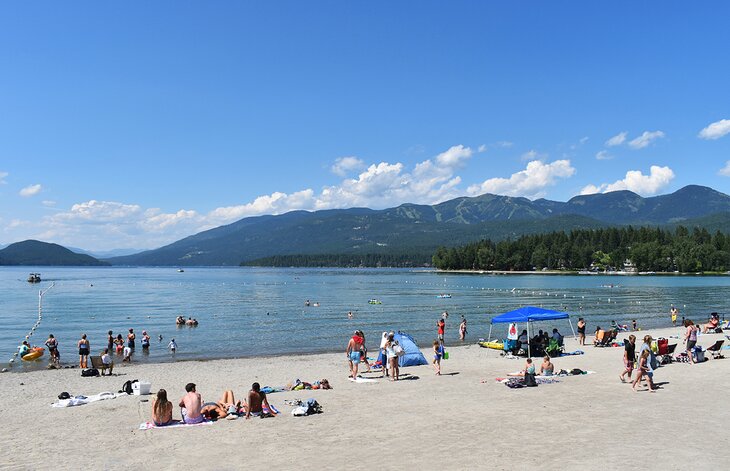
492	345
35	353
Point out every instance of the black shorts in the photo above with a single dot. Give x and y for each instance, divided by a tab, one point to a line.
691	344
83	351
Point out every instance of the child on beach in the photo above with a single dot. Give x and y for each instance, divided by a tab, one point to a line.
172	346
629	356
438	352
645	370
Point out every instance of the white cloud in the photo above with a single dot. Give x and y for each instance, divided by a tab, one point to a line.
456	156
504	144
725	171
345	165
645	185
603	155
2	177
31	190
482	148
530	182
646	138
583	140
716	130
48	203
617	140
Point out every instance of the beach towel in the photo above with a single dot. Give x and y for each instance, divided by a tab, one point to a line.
576	352
363	380
176	423
81	400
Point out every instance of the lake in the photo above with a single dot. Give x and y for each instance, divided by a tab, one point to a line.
261	311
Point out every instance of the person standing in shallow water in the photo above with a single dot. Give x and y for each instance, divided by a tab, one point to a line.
130	339
110	341
441	329
84	349
462	328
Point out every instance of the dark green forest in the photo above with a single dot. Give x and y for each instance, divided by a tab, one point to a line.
649	249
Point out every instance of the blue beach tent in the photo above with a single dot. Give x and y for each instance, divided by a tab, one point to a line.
413	356
529	314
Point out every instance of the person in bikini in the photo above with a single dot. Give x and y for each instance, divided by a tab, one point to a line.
256	402
52	345
191	404
223	408
161	409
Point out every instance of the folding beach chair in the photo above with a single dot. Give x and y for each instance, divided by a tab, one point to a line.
715	349
667	357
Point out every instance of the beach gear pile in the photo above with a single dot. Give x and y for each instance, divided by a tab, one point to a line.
310	407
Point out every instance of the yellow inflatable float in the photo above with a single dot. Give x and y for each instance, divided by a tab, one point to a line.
35	353
492	345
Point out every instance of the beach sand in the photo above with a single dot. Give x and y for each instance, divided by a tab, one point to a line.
454	421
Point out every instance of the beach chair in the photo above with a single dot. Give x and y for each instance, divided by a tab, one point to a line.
667	357
99	365
715	349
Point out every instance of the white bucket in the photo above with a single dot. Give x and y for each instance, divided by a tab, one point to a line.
141	388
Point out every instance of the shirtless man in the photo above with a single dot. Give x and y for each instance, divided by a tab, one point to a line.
191	405
256	401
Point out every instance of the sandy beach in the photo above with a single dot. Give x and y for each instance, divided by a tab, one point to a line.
454	421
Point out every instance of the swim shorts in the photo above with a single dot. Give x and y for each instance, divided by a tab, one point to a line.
355	357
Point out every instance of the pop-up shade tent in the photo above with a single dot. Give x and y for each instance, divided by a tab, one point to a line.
413	355
529	314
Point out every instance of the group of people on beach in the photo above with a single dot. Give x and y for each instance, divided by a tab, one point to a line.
194	411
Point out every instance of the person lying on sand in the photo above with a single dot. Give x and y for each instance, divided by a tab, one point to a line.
221	409
256	402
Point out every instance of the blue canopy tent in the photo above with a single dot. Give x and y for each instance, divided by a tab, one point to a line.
529	314
413	355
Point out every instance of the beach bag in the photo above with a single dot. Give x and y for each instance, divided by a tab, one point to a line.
446	355
64	395
88	372
399	352
530	380
127	386
313	407
662	346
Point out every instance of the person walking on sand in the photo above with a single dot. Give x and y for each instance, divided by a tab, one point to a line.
84	349
581	331
629	358
690	336
441	329
191	405
462	328
383	354
645	370
364	352
353	353
674	312
437	355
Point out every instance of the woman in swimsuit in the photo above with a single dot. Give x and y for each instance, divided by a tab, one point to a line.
119	342
161	409
145	340
690	336
52	345
547	368
84	349
110	341
581	331
392	357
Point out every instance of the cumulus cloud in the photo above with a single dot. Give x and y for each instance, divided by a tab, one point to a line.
617	140
345	165
3	175
725	171
603	155
645	185
96	224
716	130
530	182
30	190
646	138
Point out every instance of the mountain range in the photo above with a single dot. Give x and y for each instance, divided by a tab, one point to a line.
420	229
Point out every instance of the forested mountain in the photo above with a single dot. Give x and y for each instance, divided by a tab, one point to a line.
420	229
34	252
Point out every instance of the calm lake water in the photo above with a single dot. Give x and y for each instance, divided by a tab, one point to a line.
260	311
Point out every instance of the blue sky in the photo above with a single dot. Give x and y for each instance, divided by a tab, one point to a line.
134	124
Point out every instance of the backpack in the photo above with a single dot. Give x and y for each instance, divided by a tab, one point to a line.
90	372
127	387
313	407
530	380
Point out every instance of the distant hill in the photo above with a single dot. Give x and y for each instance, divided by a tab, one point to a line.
105	253
420	229
34	252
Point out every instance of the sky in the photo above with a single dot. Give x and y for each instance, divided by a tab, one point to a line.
135	124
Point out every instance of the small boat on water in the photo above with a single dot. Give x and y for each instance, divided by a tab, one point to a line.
34	354
443	296
375	301
34	278
180	270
